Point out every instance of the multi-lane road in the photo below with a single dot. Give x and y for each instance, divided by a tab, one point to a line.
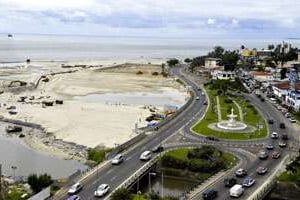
116	175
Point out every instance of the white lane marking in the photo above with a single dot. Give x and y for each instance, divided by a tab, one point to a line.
109	171
128	158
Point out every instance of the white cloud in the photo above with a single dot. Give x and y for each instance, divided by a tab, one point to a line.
137	14
210	21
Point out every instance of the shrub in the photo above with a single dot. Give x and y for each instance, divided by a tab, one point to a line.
121	194
139	72
37	183
155	73
169	161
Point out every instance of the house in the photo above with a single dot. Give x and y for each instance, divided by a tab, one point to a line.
212	63
280	90
262	76
223	75
293	99
264	54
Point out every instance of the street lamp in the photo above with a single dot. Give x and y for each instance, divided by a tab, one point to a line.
150	174
14	169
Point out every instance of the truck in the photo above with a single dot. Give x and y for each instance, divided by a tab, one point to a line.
236	191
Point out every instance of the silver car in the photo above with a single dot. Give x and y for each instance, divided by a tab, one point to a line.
102	190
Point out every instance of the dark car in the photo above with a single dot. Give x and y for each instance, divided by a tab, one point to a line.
270	121
282	125
229	181
262	100
205	103
158	149
212	138
284	136
210	194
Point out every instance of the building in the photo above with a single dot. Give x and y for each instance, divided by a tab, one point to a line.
223	75
212	63
293	99
262	76
264	54
280	90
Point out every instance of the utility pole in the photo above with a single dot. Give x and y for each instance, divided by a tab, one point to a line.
1	195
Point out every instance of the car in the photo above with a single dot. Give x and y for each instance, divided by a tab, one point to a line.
229	181
270	121
274	135
262	100
292	120
284	136
282	144
145	156
287	115
75	188
74	197
158	149
197	98
275	155
282	125
118	159
240	172
261	170
248	182
236	191
212	138
269	147
263	155
199	89
210	194
102	190
205	103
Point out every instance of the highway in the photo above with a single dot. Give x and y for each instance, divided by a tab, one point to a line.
115	175
181	124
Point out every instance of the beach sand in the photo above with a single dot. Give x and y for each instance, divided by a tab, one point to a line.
90	123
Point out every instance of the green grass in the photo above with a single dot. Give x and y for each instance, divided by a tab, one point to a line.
226	108
97	155
15	194
252	118
287	177
231	160
180	154
139	197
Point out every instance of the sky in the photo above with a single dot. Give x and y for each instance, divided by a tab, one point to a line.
165	18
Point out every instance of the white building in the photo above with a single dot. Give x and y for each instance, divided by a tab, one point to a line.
293	99
223	75
212	63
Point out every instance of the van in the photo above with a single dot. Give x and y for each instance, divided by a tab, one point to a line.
210	194
146	155
236	191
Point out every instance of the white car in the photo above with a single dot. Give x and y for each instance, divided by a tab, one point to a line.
102	190
146	155
117	159
197	98
75	188
274	135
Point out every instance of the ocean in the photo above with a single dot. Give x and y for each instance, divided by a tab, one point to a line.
105	48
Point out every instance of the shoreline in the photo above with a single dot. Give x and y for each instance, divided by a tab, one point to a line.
37	143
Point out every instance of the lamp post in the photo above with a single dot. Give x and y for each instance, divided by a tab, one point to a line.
150	174
14	169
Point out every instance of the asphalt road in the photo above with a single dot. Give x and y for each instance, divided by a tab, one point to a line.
268	111
115	175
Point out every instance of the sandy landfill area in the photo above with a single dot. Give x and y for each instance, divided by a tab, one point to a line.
92	122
